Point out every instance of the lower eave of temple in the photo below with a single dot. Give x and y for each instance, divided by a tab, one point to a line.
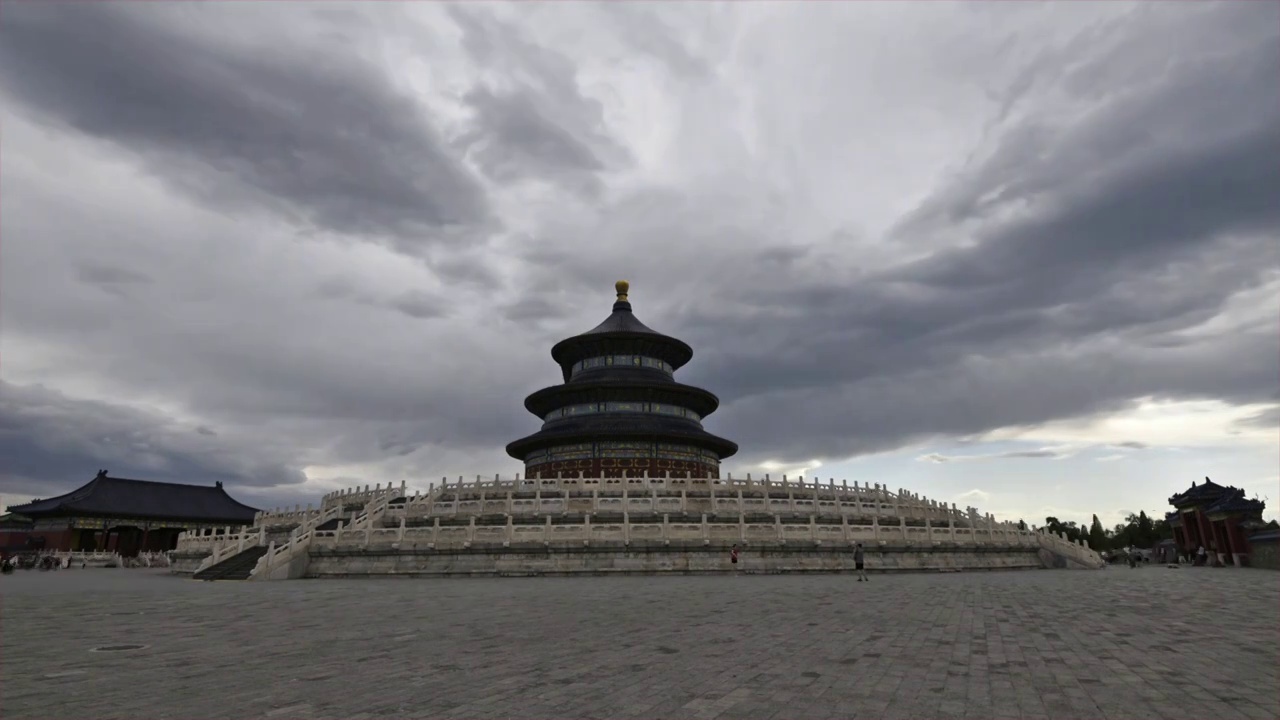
694	436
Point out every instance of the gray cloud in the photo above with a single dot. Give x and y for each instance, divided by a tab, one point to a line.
311	133
47	437
516	141
1269	419
1066	264
420	305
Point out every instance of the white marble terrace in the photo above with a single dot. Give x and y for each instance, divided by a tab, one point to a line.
619	512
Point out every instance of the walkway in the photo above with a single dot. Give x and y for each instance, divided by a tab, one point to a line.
1117	643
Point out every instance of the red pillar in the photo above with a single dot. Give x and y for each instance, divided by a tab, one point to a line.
1233	542
1206	533
1191	531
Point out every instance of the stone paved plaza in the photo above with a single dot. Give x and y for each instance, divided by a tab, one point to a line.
1153	642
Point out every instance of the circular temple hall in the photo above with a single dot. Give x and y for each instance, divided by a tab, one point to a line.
620	411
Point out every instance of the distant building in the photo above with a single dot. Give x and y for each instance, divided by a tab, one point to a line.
15	532
128	516
1221	519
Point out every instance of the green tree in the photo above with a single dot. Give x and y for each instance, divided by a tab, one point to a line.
1146	530
1097	536
1074	532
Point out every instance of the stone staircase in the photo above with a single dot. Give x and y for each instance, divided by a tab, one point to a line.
236	567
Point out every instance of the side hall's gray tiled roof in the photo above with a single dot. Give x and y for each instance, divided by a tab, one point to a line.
144	498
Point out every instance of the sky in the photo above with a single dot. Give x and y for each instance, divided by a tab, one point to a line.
1020	256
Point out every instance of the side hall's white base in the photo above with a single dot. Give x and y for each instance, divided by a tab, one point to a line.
356	561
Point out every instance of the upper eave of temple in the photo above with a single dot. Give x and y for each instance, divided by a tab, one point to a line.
621	333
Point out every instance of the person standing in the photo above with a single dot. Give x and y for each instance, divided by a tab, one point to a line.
733	558
858	558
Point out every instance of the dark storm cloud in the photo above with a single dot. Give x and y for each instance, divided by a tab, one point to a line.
110	279
516	141
417	304
540	126
96	274
1066	309
51	444
312	134
1056	275
420	305
1268	419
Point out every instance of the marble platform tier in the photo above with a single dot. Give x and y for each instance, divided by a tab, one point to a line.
627	525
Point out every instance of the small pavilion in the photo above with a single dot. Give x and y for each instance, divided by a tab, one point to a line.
130	516
1220	519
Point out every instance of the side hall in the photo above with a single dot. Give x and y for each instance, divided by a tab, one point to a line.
128	517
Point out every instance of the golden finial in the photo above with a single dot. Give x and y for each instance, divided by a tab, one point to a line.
622	286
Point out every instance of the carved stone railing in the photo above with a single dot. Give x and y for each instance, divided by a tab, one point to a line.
588	531
233	545
291	555
1077	553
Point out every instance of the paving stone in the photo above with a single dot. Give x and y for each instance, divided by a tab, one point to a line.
1116	644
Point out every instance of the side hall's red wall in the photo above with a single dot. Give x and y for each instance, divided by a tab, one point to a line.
54	539
13	538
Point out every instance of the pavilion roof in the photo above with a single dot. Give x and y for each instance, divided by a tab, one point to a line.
1234	500
1208	491
144	498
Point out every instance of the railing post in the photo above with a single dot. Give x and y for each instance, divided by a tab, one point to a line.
271	555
